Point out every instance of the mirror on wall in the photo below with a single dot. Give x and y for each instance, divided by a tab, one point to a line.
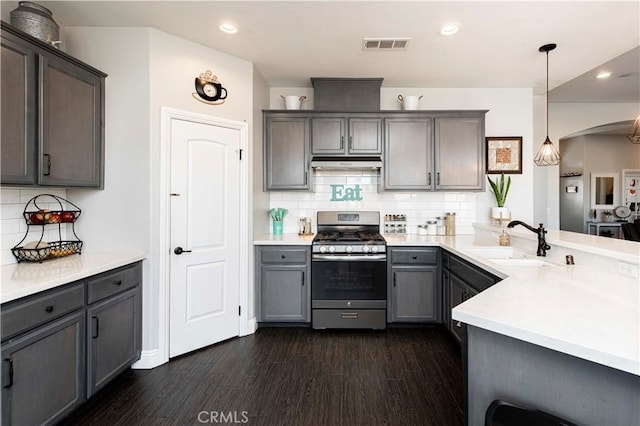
604	190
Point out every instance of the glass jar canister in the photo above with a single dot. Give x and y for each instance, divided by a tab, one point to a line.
441	229
431	227
450	223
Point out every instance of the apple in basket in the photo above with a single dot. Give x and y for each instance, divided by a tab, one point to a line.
68	217
41	216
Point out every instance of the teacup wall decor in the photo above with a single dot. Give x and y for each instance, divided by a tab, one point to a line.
209	90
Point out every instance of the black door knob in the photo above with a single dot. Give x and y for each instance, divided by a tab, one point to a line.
179	250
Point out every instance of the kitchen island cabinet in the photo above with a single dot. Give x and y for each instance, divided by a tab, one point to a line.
414	285
62	98
283	283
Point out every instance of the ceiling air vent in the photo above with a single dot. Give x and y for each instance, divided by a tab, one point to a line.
397	43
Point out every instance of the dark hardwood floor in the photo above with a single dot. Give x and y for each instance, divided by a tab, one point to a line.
294	376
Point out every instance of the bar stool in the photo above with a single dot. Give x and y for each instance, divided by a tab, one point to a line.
502	413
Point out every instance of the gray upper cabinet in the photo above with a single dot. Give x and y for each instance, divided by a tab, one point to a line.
337	135
55	105
408	153
286	152
442	151
459	152
18	108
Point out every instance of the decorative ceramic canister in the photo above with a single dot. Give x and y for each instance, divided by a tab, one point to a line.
36	20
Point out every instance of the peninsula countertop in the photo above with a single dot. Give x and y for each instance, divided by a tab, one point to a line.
581	310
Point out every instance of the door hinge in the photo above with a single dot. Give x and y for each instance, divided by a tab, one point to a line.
241	154
239	310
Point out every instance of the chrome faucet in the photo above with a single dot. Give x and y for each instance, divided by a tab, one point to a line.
542	244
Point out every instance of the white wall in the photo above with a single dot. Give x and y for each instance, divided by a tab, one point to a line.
147	70
566	119
510	114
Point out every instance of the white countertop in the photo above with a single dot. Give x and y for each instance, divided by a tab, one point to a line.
26	278
580	310
284	239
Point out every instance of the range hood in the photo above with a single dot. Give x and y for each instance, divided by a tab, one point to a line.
346	163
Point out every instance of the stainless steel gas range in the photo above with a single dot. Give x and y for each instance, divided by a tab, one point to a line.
348	271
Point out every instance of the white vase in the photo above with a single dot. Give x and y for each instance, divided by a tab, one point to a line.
501	213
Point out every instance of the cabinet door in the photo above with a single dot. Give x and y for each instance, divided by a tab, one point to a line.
43	372
459	153
328	136
365	136
408	155
284	293
113	334
286	153
458	293
446	304
71	124
415	294
18	130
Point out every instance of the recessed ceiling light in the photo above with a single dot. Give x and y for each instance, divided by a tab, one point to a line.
228	28
449	29
603	74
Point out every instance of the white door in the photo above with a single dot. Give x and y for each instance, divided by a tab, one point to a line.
205	225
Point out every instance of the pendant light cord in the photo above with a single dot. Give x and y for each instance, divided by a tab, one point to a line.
547	95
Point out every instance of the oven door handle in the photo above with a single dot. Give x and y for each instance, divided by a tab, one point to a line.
350	258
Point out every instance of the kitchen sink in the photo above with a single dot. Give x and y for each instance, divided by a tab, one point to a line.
491	252
506	256
521	262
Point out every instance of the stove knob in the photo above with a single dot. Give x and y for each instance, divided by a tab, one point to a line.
374	249
332	249
348	249
323	249
365	249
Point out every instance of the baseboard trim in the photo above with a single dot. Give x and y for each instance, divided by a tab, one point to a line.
150	359
249	328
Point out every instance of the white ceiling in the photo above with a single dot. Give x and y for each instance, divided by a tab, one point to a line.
497	45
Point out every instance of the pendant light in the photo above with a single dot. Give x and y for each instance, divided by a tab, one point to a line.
547	154
634	134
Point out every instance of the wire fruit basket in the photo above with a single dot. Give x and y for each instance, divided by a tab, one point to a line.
37	212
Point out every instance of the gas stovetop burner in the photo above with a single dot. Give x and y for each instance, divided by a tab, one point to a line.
349	233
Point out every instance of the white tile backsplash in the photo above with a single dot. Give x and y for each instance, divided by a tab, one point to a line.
13	226
417	206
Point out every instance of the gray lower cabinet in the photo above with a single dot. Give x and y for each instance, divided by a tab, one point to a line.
339	135
114	324
62	345
463	281
284	283
286	152
52	115
414	285
43	368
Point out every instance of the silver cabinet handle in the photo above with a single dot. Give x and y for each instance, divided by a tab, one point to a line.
458	324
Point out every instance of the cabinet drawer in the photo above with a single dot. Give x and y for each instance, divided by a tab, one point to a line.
284	256
475	277
113	282
414	256
26	314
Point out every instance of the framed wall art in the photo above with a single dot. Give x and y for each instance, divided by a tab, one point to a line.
504	155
